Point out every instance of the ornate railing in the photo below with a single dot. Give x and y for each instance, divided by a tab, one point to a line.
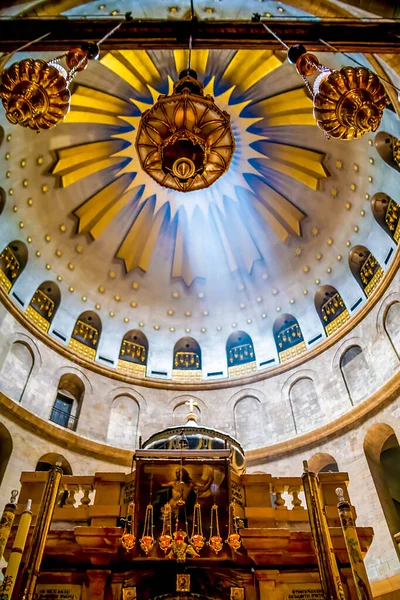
61	417
270	501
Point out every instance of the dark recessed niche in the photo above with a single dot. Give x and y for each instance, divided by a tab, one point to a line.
2	200
107	360
356	304
389	254
267	362
316	338
59	335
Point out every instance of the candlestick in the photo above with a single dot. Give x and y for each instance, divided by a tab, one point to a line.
7	520
353	548
17	551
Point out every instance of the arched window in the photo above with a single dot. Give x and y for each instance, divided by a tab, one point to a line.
133	354
240	354
12	262
187	360
305	405
387	213
124	421
6	447
249	423
86	335
388	147
382	452
68	401
323	463
356	374
2	200
44	304
366	269
16	370
391	325
288	337
48	461
330	308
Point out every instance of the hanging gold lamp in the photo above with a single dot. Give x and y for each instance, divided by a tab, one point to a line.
35	93
185	142
233	540
347	103
215	541
128	539
197	540
166	535
147	540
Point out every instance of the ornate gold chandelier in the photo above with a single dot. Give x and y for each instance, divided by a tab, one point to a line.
35	93
185	142
348	103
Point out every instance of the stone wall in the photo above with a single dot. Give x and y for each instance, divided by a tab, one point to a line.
347	448
287	404
303	401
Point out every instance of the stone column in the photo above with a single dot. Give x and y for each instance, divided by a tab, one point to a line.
267	585
95	585
347	577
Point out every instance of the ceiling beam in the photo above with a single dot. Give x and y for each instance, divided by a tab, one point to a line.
347	35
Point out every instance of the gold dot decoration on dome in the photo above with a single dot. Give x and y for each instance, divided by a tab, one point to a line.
159	210
347	103
35	93
185	141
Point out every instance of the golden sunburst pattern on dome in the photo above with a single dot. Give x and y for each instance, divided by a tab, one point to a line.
190	217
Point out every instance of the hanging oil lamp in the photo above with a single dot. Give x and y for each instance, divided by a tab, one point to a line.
147	540
128	539
197	539
347	103
35	93
166	535
234	539
185	141
215	540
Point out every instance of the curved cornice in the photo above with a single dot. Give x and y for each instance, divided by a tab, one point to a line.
148	382
387	394
61	436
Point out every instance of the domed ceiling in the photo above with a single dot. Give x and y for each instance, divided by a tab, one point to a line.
258	243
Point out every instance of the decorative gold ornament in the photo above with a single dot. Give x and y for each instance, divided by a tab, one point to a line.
180	548
185	142
347	103
396	151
